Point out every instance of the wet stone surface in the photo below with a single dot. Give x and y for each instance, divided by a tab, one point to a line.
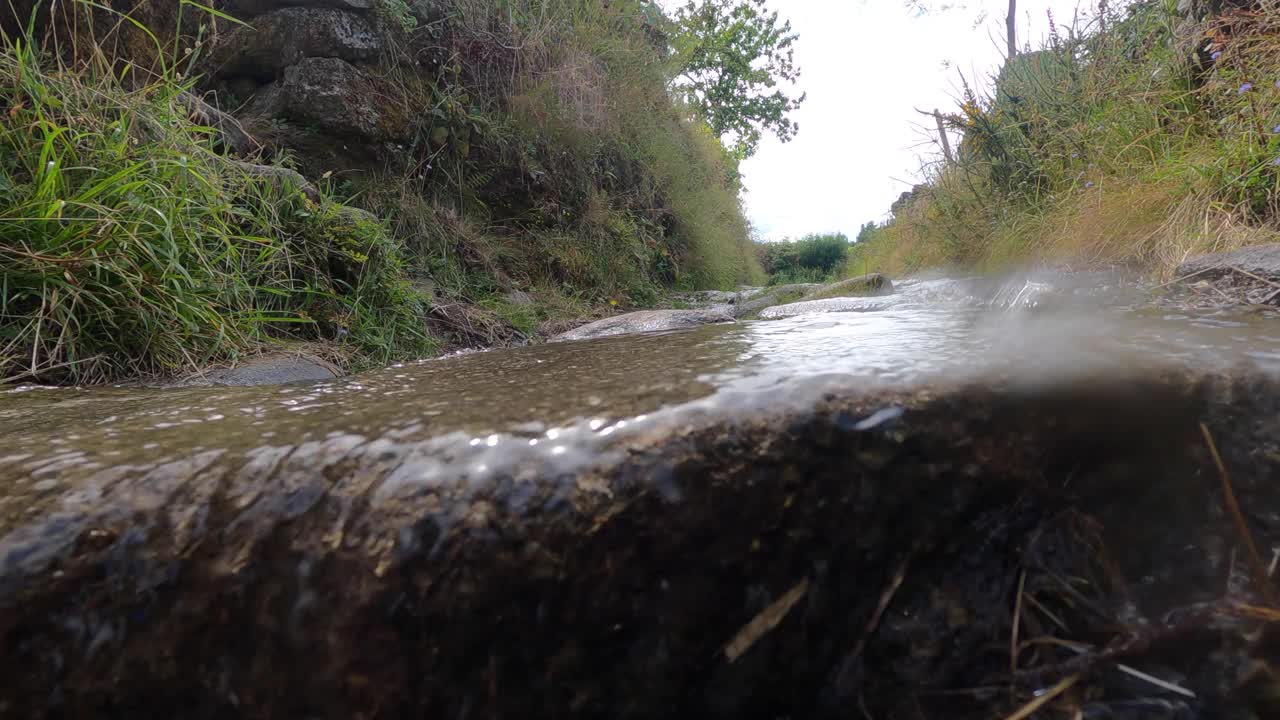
931	510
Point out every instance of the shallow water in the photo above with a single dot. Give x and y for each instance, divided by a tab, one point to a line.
561	403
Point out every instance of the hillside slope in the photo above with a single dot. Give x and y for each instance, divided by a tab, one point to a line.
1138	138
183	183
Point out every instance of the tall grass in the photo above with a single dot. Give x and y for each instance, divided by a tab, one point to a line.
1142	140
555	142
129	246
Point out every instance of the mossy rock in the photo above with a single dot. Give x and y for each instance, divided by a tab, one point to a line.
860	286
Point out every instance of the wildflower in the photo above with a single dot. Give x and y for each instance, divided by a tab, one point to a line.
1276	130
1088	185
1245	88
1276	162
1216	54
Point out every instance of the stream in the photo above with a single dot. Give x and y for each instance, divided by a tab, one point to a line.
697	521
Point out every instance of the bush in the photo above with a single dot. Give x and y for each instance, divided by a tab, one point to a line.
1144	142
813	258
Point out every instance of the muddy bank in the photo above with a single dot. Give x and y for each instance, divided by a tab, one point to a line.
848	550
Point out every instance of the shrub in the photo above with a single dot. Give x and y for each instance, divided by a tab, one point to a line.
813	258
1144	139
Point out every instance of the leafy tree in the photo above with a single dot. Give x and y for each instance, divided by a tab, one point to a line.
732	55
812	258
867	231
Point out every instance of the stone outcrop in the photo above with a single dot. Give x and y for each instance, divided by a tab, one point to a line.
646	321
284	38
335	97
862	285
751	305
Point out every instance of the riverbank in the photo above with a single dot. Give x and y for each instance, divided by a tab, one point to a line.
182	188
936	509
1140	138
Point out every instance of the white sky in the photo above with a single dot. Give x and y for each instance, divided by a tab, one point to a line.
866	65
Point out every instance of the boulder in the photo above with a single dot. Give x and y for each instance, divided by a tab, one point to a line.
283	38
646	321
751	304
1261	260
825	305
1247	276
272	368
335	97
860	286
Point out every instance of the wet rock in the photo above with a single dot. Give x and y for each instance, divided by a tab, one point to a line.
1249	275
751	304
836	304
1261	260
335	97
710	297
863	285
269	369
793	562
646	321
285	37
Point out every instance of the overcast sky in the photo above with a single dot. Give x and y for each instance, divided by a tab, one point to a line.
866	65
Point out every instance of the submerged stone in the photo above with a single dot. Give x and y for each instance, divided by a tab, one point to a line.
646	321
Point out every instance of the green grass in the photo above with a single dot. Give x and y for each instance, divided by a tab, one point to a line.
1131	146
550	159
129	246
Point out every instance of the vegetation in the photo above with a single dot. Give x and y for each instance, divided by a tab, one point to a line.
732	55
540	170
128	246
1142	137
813	258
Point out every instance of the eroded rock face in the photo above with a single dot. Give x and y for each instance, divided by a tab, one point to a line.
335	97
646	321
283	38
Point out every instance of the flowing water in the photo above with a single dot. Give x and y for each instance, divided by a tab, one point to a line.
562	402
294	514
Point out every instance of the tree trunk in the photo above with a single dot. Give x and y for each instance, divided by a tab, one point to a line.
942	136
1011	28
